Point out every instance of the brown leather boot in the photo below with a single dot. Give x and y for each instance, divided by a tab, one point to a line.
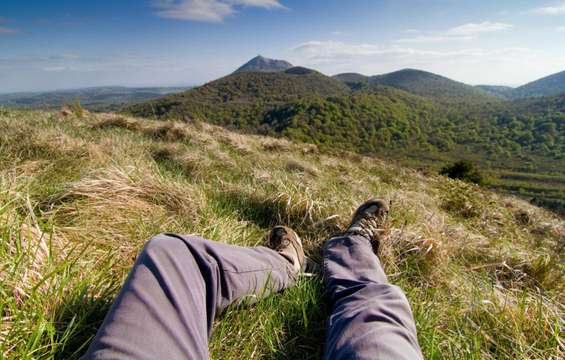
286	242
368	220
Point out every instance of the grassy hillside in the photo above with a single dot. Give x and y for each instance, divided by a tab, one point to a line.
79	197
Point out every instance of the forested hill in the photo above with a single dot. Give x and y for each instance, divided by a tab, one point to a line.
242	98
551	85
421	83
548	86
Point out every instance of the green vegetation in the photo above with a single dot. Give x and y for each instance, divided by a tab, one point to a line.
504	92
464	170
76	108
420	83
427	84
526	136
551	85
80	196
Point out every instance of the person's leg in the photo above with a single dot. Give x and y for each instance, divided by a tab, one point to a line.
370	319
178	284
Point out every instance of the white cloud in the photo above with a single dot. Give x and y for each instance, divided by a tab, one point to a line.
560	29
478	28
557	9
468	64
208	10
268	4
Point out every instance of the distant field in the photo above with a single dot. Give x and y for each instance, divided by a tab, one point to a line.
544	186
111	98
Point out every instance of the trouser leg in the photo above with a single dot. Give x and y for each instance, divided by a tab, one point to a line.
178	284
371	319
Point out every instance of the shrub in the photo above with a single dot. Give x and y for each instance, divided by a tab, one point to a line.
464	170
76	108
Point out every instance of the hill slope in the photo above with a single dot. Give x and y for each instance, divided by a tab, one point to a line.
506	92
427	84
79	197
547	86
352	78
260	63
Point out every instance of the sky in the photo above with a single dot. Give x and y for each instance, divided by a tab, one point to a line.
60	44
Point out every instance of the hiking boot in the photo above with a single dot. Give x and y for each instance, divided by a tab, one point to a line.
287	243
368	221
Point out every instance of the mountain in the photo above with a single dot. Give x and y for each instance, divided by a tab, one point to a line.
547	86
263	64
431	85
105	98
238	97
505	92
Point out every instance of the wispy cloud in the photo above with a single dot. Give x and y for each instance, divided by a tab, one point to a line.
7	31
557	9
471	64
464	32
560	29
471	29
208	10
327	50
426	39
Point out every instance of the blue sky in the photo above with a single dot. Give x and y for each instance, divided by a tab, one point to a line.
69	43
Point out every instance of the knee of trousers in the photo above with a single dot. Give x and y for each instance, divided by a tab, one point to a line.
371	294
171	253
387	291
167	244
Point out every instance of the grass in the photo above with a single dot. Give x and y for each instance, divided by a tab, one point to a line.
79	196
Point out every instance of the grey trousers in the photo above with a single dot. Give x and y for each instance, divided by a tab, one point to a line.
178	284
